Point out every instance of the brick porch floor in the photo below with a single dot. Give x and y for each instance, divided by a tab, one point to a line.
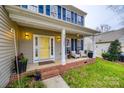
33	66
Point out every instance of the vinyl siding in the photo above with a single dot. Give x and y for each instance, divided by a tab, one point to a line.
6	47
26	46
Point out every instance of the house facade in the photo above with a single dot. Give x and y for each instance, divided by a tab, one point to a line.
103	40
41	32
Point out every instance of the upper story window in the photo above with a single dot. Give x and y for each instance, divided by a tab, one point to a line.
68	16
79	20
33	8
41	9
75	18
53	11
48	10
64	13
59	12
24	6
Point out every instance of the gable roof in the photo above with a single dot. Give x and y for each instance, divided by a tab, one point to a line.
109	36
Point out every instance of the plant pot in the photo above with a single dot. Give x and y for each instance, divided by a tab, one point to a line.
90	54
24	67
20	67
37	76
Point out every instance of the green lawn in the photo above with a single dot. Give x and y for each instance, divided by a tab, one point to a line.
102	74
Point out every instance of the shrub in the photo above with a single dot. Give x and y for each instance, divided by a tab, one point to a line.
105	55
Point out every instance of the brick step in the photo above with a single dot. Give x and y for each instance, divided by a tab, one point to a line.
50	73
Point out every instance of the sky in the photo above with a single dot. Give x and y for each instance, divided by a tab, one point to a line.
100	14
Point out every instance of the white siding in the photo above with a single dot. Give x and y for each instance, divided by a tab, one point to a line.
100	48
88	44
121	40
6	48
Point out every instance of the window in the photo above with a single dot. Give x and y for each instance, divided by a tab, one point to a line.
79	20
64	13
48	10
33	8
59	12
68	16
82	20
75	18
36	52
41	9
24	6
36	41
53	11
72	17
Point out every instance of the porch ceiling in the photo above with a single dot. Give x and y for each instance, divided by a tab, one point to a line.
35	20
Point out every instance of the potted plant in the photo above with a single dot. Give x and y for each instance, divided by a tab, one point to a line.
22	63
90	54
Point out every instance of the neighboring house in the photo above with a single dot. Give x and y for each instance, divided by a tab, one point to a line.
41	32
103	40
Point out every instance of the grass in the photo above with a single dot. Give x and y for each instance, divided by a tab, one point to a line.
102	74
26	82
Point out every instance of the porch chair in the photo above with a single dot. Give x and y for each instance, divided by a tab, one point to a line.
82	53
74	54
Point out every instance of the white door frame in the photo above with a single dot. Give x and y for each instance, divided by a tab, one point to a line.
37	59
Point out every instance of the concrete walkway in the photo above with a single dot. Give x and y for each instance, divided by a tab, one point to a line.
55	82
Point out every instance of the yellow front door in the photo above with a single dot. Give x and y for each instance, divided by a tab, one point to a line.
44	47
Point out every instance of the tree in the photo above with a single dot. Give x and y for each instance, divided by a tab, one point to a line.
103	28
118	10
114	50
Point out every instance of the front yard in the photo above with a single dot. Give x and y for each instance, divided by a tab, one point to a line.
102	74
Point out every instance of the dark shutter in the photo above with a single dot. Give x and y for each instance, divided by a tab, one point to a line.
82	44
41	9
82	20
72	44
59	12
48	10
75	18
64	14
75	44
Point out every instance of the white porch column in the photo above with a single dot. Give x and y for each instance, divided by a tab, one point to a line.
63	35
94	46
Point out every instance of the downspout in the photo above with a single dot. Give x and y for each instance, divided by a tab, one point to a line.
16	55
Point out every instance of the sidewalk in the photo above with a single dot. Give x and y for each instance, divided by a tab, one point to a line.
55	82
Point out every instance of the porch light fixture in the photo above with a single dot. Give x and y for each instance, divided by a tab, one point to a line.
27	36
78	35
12	30
58	38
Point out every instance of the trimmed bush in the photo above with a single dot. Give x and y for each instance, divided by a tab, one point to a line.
105	55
